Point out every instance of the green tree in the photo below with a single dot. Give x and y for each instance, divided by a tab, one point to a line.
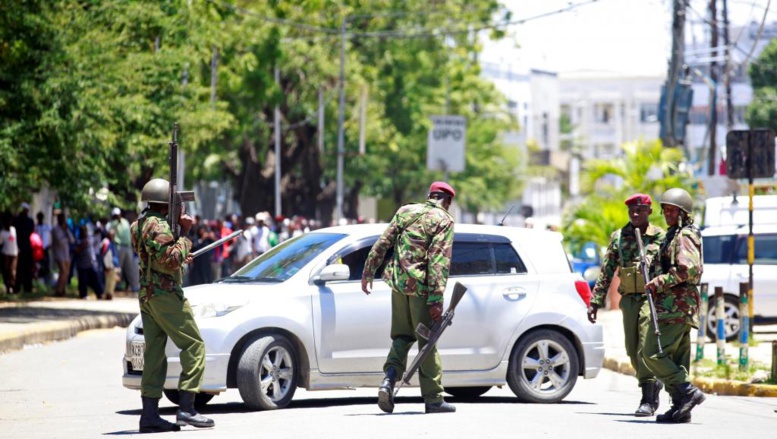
644	167
762	111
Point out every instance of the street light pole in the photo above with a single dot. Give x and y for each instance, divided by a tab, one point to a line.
340	128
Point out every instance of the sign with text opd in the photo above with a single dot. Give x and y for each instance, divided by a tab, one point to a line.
446	143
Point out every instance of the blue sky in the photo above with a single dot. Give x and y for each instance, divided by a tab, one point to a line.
630	37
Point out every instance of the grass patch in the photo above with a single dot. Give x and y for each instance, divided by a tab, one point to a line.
730	370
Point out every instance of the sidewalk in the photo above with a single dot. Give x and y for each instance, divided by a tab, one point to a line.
616	359
52	319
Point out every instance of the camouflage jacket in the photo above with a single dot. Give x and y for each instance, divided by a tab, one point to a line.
422	238
652	239
677	299
161	256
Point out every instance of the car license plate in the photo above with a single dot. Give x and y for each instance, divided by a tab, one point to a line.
137	348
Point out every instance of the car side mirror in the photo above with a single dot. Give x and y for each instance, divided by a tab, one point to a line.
332	272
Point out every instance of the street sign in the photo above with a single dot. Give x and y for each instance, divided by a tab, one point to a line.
446	143
756	144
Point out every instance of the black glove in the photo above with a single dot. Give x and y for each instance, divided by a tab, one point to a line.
592	309
435	311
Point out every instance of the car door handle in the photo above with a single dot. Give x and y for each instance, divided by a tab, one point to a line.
514	293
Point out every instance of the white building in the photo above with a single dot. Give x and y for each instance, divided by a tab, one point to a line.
606	111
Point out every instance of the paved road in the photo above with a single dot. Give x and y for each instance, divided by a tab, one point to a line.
72	389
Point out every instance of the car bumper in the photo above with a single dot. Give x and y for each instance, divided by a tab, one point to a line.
593	352
214	380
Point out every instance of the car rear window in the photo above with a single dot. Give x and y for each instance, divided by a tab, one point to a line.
718	249
765	250
479	258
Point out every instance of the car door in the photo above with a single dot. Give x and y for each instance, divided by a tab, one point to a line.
500	295
764	273
352	329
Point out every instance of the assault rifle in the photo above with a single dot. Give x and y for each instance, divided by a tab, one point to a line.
175	207
644	269
432	335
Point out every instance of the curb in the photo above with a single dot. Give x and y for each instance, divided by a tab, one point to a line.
715	386
55	331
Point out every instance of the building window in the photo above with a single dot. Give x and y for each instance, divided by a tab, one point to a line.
648	113
603	113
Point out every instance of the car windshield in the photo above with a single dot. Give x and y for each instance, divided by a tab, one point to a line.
283	261
718	249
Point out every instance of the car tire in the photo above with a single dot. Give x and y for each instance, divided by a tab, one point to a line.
731	311
467	392
267	373
200	399
543	367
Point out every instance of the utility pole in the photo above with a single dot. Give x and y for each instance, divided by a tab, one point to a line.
278	147
340	122
673	76
727	69
712	156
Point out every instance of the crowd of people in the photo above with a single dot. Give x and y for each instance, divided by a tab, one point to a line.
98	251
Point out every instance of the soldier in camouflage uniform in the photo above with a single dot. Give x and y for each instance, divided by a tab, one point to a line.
677	306
422	238
623	256
165	312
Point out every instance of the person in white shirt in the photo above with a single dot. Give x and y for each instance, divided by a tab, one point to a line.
261	242
10	252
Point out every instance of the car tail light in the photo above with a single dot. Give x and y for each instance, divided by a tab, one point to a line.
584	291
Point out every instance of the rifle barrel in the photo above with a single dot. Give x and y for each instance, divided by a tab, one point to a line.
213	245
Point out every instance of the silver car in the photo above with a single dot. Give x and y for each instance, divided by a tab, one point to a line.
296	317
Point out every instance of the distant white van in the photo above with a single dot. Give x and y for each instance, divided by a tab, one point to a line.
730	211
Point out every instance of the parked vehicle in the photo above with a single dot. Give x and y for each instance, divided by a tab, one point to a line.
296	317
588	262
726	266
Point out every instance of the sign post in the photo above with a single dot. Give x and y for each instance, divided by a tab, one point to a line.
750	154
446	145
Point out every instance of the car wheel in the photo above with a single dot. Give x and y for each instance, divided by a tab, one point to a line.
267	373
467	392
543	367
731	322
200	399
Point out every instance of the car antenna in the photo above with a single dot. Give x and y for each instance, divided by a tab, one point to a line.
501	223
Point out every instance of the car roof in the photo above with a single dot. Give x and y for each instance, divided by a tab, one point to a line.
513	233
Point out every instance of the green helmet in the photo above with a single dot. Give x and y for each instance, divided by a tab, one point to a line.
678	197
156	190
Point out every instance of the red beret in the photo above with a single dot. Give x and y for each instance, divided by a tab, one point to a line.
441	186
639	199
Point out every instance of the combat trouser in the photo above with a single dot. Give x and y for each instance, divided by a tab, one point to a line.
672	366
637	327
406	313
170	315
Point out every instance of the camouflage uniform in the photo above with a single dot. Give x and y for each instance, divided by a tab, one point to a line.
633	305
677	306
163	308
422	238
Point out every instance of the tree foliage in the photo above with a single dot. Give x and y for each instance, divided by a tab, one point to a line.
762	112
91	89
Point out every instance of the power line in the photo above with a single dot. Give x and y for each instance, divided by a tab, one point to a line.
396	33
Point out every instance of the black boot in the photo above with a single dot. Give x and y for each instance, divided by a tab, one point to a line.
187	415
386	391
646	403
440	407
657	388
668	417
150	422
690	397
